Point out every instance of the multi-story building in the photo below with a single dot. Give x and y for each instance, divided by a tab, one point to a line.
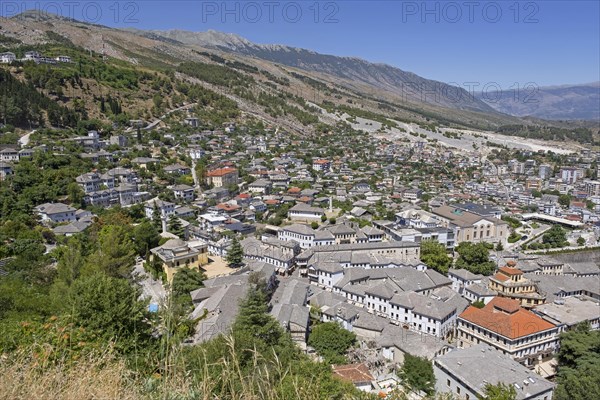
93	182
321	165
56	213
222	177
471	227
176	254
546	171
510	282
183	192
513	330
465	372
165	208
7	58
304	212
571	175
592	188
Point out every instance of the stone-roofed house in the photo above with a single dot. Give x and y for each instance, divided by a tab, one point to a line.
466	372
571	311
304	212
183	192
177	169
289	308
176	254
56	213
510	282
462	279
165	208
218	301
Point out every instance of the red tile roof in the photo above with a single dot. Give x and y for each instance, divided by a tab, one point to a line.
355	373
221	172
510	271
507	318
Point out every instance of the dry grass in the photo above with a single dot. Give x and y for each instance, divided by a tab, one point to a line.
97	378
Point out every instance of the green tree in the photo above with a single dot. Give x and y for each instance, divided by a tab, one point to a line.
500	391
314	225
253	319
70	261
8	108
111	308
417	374
433	254
235	253
175	226
578	365
580	241
555	237
187	280
145	237
157	217
115	253
331	341
474	257
76	194
564	200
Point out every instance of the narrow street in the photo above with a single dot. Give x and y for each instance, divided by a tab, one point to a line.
151	289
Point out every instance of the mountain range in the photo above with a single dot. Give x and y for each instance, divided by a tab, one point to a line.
343	81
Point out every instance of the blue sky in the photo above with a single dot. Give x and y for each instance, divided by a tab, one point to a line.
505	42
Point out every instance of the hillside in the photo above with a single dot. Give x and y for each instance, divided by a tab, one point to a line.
279	85
568	102
408	85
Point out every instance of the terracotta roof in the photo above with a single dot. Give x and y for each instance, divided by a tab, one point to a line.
294	190
510	271
221	172
271	202
321	162
227	207
355	373
501	277
507	318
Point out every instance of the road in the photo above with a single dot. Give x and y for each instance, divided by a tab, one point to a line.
24	140
159	120
151	289
195	176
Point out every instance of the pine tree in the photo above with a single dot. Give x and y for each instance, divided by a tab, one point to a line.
175	226
235	254
156	217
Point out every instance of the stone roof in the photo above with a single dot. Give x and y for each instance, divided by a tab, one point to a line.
480	364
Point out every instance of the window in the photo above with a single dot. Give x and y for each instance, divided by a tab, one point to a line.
457	390
448	382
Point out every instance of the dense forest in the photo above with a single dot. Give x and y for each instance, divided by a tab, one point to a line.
22	105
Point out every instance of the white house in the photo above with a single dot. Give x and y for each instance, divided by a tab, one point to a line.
183	192
305	212
7	58
56	212
465	373
165	208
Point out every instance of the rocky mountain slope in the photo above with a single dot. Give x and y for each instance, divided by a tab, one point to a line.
382	76
567	102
